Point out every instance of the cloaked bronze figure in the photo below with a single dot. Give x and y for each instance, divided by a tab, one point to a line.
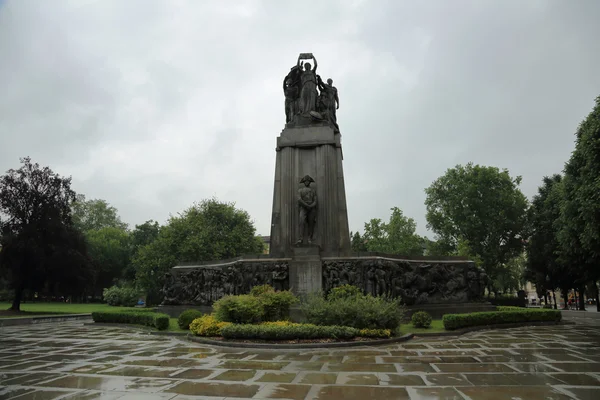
307	201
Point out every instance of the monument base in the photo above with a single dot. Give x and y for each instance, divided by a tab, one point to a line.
305	270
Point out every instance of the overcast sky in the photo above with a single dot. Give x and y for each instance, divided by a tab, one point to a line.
153	105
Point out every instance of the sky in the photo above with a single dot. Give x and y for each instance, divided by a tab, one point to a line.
154	105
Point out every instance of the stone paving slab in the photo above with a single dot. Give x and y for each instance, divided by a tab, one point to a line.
75	361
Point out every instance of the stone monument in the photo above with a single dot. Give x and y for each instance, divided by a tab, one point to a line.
309	147
310	240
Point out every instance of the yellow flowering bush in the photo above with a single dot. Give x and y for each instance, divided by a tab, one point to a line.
375	333
207	325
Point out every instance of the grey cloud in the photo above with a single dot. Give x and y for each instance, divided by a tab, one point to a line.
153	105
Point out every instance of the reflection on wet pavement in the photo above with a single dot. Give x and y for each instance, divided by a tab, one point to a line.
76	361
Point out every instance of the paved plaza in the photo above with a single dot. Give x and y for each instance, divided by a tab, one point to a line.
77	361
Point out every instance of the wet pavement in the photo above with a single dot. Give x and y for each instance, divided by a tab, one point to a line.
77	361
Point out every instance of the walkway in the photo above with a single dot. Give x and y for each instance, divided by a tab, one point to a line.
76	361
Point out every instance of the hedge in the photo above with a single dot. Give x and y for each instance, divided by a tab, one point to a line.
458	321
287	332
159	321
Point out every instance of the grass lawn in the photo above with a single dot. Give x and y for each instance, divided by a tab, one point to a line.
32	309
436	327
174	327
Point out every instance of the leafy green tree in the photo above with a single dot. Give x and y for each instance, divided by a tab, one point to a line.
40	245
141	236
544	267
482	206
109	248
95	214
580	215
210	230
398	236
357	242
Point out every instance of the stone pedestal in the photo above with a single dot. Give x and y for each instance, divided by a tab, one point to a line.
306	273
313	150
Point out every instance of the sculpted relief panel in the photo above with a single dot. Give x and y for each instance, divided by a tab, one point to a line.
205	285
414	282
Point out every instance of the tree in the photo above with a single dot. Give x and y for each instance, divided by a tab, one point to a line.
357	243
141	236
580	214
482	206
207	231
95	214
398	236
40	244
544	267
109	248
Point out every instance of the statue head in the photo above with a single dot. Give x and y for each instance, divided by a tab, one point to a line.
330	81
307	66
307	180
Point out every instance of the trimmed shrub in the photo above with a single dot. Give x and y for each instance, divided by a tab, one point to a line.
279	323
421	319
121	296
186	318
259	290
375	333
242	309
276	305
287	332
207	325
361	311
508	308
159	321
458	321
262	304
344	292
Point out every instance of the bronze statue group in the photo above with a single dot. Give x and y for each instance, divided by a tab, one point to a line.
302	98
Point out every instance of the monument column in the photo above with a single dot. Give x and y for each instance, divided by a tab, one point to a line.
309	148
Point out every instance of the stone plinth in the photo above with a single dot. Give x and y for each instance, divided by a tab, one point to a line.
316	151
305	270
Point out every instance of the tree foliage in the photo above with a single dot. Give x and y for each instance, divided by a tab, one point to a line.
210	230
398	236
579	233
40	245
482	206
95	214
110	250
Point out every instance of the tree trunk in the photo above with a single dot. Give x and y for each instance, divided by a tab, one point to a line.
582	298
596	294
565	294
545	298
554	297
16	304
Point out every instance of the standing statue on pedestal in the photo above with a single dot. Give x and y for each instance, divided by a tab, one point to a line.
308	82
307	201
291	90
329	101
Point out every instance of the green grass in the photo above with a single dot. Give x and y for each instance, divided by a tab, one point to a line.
174	326
437	326
32	309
